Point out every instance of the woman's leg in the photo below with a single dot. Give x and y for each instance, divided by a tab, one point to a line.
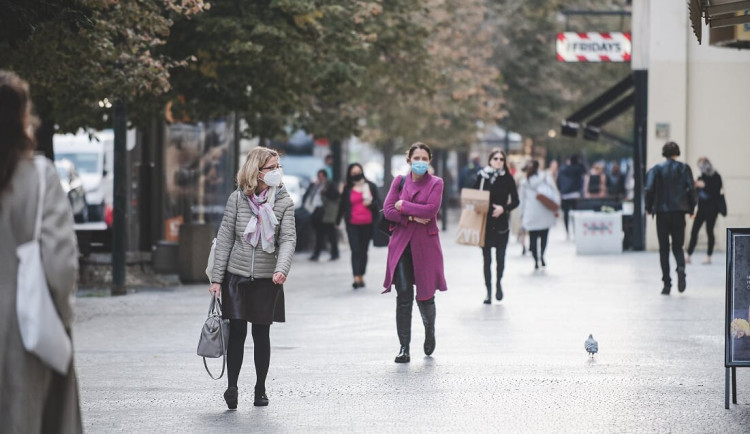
353	233
235	349
366	236
487	256
710	222
697	223
404	282
262	353
533	237
427	310
543	236
502	244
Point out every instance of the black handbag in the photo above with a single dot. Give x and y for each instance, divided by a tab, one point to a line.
722	206
383	224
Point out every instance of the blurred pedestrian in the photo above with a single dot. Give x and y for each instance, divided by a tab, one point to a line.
670	194
33	397
503	199
553	170
321	200
358	207
616	182
329	166
709	187
414	253
536	218
254	250
469	172
570	184
595	183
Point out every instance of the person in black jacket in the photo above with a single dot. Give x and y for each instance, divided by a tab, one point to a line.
670	194
709	187
359	207
503	198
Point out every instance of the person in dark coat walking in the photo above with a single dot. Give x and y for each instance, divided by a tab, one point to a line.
670	194
358	208
570	184
321	200
503	199
709	187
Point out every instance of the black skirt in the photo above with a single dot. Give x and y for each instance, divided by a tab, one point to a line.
259	301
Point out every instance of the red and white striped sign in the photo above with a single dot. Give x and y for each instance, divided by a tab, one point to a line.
593	47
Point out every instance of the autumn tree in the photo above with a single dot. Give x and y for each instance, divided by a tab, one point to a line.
107	52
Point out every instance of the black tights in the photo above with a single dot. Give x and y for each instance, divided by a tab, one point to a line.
236	352
534	236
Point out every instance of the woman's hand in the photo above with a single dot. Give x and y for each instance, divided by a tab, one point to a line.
421	220
215	288
700	184
279	278
497	211
399	203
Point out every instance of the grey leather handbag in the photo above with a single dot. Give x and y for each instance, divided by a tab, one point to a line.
214	336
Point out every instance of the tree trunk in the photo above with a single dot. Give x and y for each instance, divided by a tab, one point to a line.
44	137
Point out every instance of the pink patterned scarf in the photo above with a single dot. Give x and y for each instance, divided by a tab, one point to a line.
263	222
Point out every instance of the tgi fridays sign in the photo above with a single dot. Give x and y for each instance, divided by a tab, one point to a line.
593	47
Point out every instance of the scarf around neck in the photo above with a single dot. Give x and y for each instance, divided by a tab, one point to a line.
492	174
263	222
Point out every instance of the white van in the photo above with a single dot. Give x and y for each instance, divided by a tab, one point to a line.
93	157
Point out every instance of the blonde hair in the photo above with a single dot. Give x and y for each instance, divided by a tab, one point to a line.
247	176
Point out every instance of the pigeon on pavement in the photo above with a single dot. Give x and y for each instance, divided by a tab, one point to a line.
591	345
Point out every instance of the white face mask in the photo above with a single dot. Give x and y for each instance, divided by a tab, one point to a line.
273	178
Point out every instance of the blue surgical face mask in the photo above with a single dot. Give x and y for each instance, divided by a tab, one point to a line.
419	167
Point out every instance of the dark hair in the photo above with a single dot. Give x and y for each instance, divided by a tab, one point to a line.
323	171
575	159
532	167
670	149
418	145
15	120
349	180
496	151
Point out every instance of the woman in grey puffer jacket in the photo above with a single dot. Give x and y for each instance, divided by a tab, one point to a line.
254	250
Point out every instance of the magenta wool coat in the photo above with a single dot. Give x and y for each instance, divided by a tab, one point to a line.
422	199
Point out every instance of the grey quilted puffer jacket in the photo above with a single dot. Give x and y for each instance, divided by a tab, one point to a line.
235	255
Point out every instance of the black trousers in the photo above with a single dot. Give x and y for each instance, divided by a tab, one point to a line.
499	241
533	237
325	232
567	205
359	242
709	217
404	283
236	352
670	225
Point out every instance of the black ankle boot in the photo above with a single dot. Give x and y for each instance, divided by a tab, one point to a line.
681	284
488	299
403	355
427	309
499	294
230	396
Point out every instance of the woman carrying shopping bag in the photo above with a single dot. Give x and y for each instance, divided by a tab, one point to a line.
254	250
536	217
503	199
414	254
33	397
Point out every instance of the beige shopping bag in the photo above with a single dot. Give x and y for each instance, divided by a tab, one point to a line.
474	207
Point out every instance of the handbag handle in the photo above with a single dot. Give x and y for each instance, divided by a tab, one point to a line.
216	306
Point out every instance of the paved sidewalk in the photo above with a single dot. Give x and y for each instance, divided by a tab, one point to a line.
516	366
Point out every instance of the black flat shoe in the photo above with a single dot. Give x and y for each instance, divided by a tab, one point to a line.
488	300
665	290
260	400
230	396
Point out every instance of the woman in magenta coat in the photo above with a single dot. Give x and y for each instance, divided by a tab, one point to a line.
412	211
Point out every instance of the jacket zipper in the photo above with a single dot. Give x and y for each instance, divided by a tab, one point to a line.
252	266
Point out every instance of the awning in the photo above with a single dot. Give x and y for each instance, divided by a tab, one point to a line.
607	106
